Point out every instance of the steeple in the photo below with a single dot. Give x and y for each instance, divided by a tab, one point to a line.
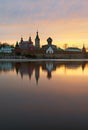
21	39
37	41
84	49
37	36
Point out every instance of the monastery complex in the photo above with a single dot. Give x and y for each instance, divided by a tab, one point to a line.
49	50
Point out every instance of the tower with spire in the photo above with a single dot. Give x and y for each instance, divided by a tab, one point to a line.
37	41
84	49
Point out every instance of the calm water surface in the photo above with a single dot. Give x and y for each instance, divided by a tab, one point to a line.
45	95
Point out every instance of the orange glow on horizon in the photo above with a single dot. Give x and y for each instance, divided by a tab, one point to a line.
71	32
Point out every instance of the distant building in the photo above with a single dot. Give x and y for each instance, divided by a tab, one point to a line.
37	41
6	49
72	49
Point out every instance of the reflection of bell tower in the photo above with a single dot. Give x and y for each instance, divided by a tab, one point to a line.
37	41
17	67
37	73
49	76
83	66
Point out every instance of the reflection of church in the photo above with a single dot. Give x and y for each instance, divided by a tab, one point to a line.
49	67
25	69
28	69
32	69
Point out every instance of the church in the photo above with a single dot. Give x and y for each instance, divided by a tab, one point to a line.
49	48
28	45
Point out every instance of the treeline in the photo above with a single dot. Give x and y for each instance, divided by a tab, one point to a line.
5	45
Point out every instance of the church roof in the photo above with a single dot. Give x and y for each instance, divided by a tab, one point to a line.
49	39
59	49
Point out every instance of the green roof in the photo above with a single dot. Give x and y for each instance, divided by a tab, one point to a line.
59	49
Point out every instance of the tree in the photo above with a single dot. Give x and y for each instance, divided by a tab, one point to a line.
65	46
17	45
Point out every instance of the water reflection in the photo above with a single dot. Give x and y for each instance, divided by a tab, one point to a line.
48	67
6	66
27	69
60	100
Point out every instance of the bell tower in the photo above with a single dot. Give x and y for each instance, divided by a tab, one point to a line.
37	41
83	50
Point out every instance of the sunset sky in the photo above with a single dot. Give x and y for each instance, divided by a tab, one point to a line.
66	21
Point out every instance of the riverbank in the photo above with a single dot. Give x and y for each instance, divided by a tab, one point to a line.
39	60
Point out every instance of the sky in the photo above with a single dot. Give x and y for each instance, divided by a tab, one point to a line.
65	21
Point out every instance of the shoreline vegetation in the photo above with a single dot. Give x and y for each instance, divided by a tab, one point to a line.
13	57
43	57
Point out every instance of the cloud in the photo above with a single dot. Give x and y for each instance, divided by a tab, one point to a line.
56	18
12	11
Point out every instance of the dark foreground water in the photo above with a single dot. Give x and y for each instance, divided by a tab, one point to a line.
44	95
